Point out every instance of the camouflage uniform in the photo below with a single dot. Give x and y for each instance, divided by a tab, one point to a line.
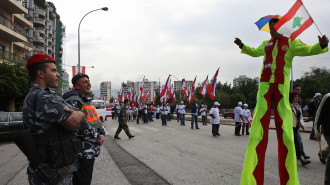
43	109
89	135
122	119
85	132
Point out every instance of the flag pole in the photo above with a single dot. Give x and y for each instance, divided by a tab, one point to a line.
312	18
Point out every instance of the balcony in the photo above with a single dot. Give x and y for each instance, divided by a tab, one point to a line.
5	55
39	30
38	12
13	6
39	22
39	41
21	20
11	31
23	46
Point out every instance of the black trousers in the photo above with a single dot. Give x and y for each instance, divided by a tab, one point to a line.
215	129
238	126
85	172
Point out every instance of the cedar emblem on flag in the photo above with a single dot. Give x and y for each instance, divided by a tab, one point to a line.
293	23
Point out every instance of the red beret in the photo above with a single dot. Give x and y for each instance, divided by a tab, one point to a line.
39	58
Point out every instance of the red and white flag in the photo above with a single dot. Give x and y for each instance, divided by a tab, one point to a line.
75	70
295	21
142	84
166	86
154	98
191	96
174	98
204	86
184	89
146	97
212	84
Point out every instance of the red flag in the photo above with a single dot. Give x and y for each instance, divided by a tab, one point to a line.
75	70
212	84
295	21
184	89
204	86
174	98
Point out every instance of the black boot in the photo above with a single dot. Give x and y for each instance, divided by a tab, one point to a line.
303	161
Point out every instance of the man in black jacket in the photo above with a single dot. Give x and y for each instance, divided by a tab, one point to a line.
322	118
312	107
194	114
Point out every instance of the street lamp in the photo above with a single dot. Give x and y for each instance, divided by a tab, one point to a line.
179	81
104	9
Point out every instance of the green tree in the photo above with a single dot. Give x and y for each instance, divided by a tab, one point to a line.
317	80
14	84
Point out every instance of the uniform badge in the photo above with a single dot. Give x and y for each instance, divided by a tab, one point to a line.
285	47
269	44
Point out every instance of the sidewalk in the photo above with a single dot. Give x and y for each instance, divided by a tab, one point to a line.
230	121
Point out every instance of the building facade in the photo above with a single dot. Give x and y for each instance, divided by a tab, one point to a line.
105	90
14	22
178	85
148	86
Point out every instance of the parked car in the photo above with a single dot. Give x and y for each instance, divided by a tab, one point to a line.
11	123
228	115
101	109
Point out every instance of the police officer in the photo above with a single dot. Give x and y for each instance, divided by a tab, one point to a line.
91	132
51	121
122	119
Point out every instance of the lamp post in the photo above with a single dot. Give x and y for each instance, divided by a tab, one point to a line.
179	81
104	9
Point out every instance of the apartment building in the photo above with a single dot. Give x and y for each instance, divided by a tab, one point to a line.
14	21
105	90
178	85
148	86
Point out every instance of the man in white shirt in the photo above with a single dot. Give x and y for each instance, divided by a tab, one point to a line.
247	118
164	112
202	111
215	119
238	118
182	112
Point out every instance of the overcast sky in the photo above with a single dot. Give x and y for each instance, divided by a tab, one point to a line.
184	38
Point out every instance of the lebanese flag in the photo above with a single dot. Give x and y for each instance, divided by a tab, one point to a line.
211	86
191	96
130	92
146	97
193	84
204	86
167	97
75	70
122	98
166	86
142	84
174	98
295	21
161	89
154	101
184	89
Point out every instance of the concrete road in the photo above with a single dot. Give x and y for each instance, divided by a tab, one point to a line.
176	153
185	156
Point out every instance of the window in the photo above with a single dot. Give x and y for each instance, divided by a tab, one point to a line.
16	117
3	117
